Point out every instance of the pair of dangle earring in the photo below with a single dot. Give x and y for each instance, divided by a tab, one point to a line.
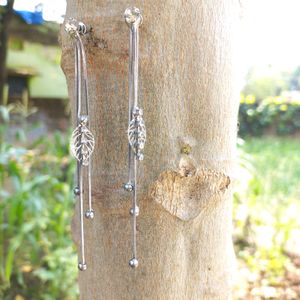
82	140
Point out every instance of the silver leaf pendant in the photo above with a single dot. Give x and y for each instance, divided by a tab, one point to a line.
137	133
82	144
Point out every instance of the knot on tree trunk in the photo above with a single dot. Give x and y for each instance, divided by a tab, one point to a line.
185	195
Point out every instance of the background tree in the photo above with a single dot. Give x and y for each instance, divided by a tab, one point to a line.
5	18
189	92
295	79
266	82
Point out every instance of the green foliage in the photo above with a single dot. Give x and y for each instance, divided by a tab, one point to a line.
274	114
266	205
265	87
266	82
37	259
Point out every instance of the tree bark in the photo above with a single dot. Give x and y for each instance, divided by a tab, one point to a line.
5	20
189	93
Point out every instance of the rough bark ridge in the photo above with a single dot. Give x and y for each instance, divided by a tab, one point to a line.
190	99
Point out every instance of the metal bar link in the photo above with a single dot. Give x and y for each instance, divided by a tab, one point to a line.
82	140
136	126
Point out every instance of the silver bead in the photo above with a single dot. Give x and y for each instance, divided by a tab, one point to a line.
133	263
71	26
140	156
82	29
76	191
90	214
136	211
137	112
82	266
133	15
83	119
128	187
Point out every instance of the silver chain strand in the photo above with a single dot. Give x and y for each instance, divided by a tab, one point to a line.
90	212
136	127
82	140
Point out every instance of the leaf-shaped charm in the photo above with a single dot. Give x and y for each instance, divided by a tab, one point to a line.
137	133
82	144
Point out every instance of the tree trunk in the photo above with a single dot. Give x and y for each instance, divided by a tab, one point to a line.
189	93
5	20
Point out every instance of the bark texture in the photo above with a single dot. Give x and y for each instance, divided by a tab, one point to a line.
189	93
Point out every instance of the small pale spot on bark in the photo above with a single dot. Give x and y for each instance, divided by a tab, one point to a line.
186	144
187	166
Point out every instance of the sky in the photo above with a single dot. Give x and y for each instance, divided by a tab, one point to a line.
270	31
53	9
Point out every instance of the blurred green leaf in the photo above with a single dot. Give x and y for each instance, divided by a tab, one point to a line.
35	214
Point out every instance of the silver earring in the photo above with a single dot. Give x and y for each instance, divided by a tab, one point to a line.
136	126
82	140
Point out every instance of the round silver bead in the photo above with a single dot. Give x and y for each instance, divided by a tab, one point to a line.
140	156
90	214
128	187
82	266
136	211
71	26
83	119
82	28
137	112
76	191
133	263
133	15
